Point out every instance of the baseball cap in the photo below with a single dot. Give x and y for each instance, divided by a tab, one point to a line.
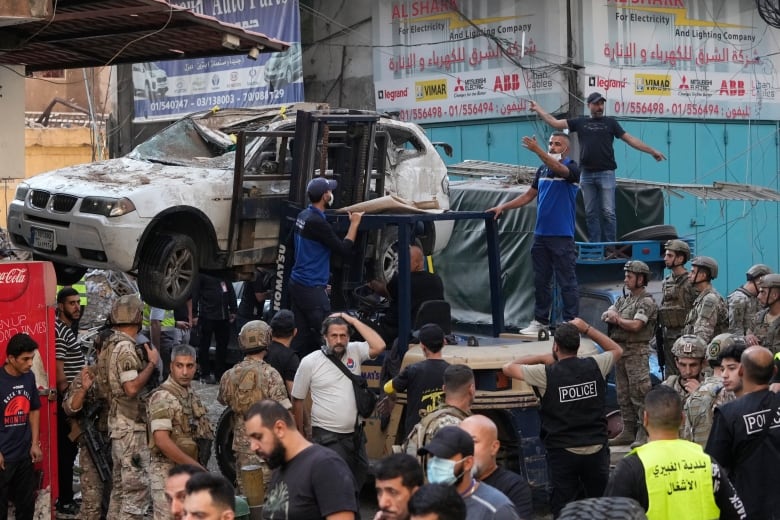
448	442
595	97
319	185
430	333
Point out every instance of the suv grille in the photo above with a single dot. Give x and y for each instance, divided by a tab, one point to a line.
63	203
39	198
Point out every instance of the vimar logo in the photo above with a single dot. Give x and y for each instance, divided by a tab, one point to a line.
430	90
653	84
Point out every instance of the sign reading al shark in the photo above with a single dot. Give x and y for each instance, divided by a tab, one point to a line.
171	89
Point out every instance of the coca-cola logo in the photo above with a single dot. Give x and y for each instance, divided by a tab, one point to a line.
13	282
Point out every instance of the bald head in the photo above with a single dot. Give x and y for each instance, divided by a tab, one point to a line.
486	444
416	258
757	365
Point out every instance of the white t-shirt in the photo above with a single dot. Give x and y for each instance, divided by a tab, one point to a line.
333	399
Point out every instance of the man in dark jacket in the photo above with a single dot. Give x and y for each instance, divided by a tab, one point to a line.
213	310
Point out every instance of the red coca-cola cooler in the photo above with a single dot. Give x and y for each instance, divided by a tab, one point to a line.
27	304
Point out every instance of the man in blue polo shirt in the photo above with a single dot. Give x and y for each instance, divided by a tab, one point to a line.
555	188
315	239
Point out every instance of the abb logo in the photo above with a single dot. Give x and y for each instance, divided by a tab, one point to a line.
732	87
507	83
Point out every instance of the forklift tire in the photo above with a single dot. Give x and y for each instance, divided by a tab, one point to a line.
167	270
606	508
223	445
660	232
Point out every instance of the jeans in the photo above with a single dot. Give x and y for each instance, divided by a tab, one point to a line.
18	485
554	255
598	192
570	475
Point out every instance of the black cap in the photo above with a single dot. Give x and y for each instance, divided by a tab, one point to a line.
448	442
319	185
595	97
283	321
430	333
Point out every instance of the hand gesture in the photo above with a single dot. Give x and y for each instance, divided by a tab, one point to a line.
86	378
658	156
532	144
581	325
533	107
355	216
152	354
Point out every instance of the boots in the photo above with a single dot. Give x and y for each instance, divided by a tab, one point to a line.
641	437
626	437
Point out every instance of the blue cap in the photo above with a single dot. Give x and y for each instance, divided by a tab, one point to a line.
319	185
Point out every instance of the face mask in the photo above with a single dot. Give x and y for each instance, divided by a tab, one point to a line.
441	471
330	200
556	156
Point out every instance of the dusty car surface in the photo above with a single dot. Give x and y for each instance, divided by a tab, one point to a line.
163	212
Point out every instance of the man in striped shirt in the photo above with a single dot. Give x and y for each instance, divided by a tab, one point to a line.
70	361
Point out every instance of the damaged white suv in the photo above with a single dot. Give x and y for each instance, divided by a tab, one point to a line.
168	209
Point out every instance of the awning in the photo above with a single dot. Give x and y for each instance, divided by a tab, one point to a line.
93	33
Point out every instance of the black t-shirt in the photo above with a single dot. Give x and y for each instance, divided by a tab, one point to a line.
628	480
283	359
314	484
596	135
422	383
18	397
250	307
750	454
425	286
515	488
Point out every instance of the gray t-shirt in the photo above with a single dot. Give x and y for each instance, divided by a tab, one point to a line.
488	503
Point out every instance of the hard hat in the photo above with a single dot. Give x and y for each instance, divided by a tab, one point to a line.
757	271
636	266
127	310
720	343
709	263
689	346
241	507
255	335
679	246
769	281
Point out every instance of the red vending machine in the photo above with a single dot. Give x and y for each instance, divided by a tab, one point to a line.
27	304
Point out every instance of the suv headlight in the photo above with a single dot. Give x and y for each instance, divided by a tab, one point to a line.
21	192
106	206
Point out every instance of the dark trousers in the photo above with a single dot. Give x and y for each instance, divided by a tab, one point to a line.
17	484
351	447
554	256
220	331
572	475
66	455
310	306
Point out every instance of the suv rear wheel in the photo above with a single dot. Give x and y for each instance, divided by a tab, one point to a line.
167	270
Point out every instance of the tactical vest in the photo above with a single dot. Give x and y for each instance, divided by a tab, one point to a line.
119	403
246	380
676	301
768	333
627	306
720	310
678	475
192	425
418	437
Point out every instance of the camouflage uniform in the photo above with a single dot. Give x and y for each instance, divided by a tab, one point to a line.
691	347
632	371
117	363
429	425
699	407
92	488
708	317
178	410
246	383
743	307
767	332
676	302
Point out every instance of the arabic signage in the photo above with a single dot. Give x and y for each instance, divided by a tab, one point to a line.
448	60
171	89
711	59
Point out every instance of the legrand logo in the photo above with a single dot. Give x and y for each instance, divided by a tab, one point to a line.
430	90
653	84
392	95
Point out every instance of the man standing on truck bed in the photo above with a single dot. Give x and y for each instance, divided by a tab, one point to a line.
315	239
676	301
597	157
553	250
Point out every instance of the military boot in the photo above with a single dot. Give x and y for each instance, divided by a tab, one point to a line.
626	437
641	437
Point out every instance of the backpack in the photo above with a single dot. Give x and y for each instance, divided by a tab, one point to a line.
416	438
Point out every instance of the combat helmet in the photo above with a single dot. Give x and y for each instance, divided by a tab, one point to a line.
757	271
255	336
720	343
127	310
679	246
769	281
689	346
709	263
638	267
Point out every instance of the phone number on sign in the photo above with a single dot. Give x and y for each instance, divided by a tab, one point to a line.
415	114
638	107
470	109
695	109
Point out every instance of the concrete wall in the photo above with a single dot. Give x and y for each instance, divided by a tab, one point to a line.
42	90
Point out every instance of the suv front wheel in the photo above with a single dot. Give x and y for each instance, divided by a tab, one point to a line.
167	270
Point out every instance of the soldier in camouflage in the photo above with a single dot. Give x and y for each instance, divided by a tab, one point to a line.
676	300
632	325
122	376
689	352
709	315
765	329
180	432
248	382
743	302
699	407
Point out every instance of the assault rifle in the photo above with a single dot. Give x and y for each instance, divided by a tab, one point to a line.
96	444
